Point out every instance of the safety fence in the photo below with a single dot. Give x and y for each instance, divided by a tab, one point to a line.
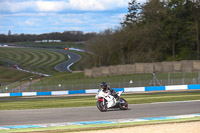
33	84
93	91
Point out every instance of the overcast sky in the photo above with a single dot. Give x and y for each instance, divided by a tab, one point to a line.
44	16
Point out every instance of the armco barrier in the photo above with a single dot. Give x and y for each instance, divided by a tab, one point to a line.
93	91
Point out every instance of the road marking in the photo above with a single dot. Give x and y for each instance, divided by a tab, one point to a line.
160	118
171	102
100	122
93	122
21	127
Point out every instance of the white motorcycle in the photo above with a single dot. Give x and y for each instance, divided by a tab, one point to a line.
106	101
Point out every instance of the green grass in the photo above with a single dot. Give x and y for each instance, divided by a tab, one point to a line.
38	60
83	101
51	45
9	75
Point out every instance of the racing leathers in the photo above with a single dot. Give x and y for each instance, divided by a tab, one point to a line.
110	91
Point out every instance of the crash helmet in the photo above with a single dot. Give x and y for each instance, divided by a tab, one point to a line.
103	85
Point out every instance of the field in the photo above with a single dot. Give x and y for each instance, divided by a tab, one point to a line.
38	60
9	75
83	101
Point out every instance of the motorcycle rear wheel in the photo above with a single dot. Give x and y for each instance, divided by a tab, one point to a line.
101	107
123	104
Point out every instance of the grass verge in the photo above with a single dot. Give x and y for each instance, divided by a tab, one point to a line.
76	128
19	103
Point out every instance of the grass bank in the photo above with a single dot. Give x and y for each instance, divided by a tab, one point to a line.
10	75
39	60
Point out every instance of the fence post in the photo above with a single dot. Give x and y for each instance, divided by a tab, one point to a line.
49	84
30	84
93	83
53	84
199	77
138	79
169	79
0	88
40	85
66	83
80	83
183	79
20	83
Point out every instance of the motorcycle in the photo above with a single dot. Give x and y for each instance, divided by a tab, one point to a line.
106	101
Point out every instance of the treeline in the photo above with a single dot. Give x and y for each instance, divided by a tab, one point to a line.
151	32
64	36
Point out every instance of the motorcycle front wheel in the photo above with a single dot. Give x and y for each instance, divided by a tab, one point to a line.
101	107
123	104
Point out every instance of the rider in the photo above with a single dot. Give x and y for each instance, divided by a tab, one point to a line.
106	89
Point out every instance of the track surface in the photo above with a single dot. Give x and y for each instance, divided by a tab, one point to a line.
64	66
40	116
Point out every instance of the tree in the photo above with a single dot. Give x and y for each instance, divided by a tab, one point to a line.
133	13
176	23
153	15
9	33
195	7
154	31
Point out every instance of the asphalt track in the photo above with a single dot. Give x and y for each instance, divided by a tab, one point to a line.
56	115
64	66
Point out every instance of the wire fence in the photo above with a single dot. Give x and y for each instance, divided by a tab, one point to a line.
80	83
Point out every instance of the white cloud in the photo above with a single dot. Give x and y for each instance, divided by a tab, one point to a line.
53	6
25	14
104	26
16	6
57	6
86	5
65	27
30	23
